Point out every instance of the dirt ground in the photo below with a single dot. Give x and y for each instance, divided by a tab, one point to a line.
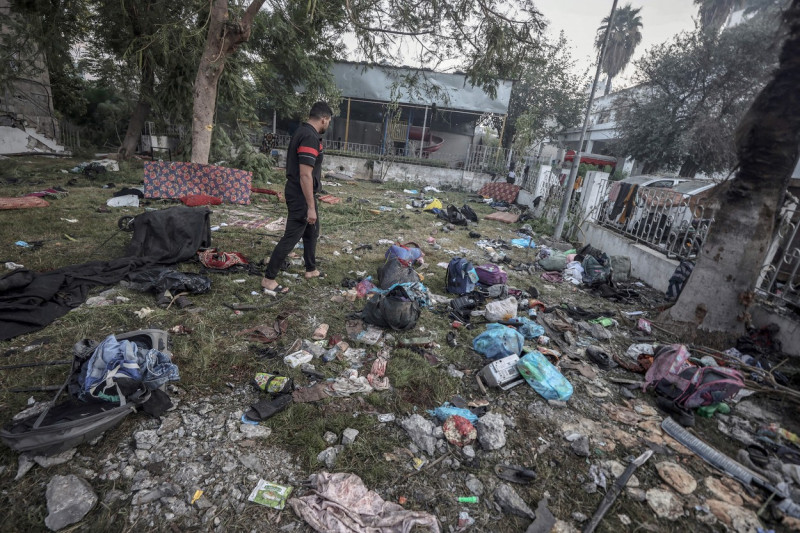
216	365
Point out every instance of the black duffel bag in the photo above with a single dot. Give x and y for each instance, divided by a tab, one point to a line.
394	271
394	309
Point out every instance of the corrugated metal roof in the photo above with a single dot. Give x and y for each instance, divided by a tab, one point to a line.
450	91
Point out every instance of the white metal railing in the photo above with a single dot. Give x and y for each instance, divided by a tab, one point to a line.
780	276
673	223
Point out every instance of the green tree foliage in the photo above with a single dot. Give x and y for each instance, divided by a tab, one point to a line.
623	39
546	99
692	93
714	13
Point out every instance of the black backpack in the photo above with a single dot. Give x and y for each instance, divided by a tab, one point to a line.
455	216
394	309
65	425
468	213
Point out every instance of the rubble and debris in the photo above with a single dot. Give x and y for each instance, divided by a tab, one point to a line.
69	498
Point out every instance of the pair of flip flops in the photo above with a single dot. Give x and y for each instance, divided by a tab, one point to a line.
515	474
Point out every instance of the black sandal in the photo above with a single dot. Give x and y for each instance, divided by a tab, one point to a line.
515	474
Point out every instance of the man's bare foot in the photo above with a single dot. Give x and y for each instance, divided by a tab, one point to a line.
272	285
314	274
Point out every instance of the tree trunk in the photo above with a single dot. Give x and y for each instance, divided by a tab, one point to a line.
688	168
223	39
140	114
719	292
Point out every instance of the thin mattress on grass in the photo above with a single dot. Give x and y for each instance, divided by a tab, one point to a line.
174	179
505	192
502	216
23	203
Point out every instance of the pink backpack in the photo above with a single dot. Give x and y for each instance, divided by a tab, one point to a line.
674	377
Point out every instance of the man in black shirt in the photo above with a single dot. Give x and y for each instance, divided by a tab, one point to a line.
303	180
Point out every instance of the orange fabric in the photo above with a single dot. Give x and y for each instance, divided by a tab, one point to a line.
330	199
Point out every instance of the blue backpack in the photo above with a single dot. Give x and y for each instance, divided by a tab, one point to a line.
461	276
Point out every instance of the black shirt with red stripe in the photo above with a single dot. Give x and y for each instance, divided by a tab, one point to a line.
305	148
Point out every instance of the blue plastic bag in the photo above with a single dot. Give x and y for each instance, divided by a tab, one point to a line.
498	341
523	243
447	410
526	326
544	377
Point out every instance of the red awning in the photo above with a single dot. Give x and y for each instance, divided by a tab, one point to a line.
592	159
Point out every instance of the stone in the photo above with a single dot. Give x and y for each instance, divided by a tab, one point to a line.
330	437
491	431
474	485
580	446
252	431
664	503
616	468
721	492
645	410
420	431
468	451
145	439
676	477
510	501
25	464
328	456
636	494
69	498
624	519
579	517
453	372
349	436
61	458
251	461
737	518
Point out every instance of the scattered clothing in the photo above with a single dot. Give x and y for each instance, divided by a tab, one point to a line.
340	503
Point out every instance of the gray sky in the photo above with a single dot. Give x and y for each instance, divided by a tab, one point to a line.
661	19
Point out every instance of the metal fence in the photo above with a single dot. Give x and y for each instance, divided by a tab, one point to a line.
492	160
673	223
69	135
779	278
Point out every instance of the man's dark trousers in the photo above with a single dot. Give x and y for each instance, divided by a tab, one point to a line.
296	228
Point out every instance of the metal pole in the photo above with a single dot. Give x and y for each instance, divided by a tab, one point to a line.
347	125
502	132
422	137
562	215
274	122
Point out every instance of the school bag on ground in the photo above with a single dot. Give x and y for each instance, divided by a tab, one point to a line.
394	271
67	424
395	309
468	213
455	216
461	276
491	274
674	377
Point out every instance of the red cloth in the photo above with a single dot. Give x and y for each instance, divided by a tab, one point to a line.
267	191
330	199
504	192
193	200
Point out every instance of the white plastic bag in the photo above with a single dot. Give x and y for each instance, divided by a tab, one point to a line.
502	310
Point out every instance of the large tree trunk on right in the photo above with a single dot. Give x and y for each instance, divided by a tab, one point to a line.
721	288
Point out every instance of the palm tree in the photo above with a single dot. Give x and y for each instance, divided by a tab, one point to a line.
714	13
625	36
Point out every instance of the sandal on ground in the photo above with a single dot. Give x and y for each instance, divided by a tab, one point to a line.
322	275
266	408
515	474
279	290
